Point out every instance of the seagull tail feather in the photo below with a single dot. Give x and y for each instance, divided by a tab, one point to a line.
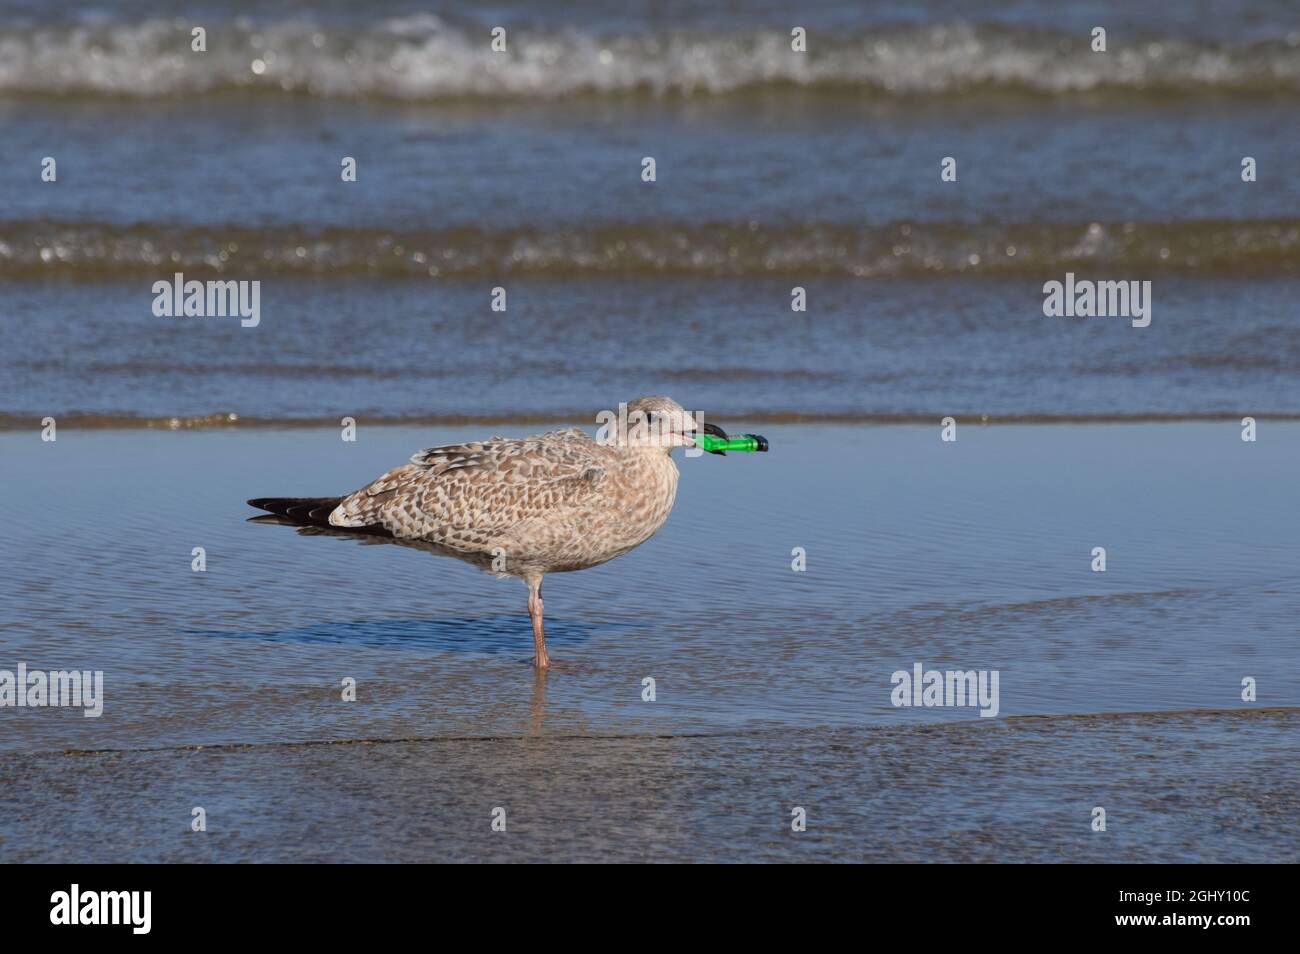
298	511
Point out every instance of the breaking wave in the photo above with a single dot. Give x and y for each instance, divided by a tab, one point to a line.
430	58
96	251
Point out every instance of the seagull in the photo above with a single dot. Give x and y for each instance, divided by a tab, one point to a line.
524	507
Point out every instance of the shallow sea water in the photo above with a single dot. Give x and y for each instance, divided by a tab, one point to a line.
972	555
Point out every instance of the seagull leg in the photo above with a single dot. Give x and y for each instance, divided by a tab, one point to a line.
542	660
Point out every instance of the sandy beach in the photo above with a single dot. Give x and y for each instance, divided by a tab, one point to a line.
1191	787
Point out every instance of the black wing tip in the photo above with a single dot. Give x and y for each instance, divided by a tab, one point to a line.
300	510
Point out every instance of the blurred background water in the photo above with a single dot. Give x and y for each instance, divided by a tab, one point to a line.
522	169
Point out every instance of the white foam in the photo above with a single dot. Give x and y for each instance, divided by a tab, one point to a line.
422	57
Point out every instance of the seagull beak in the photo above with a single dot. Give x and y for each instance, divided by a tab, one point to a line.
716	432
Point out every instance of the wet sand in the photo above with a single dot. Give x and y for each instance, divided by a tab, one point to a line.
1191	787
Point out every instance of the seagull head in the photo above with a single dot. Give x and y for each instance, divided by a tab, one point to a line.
659	421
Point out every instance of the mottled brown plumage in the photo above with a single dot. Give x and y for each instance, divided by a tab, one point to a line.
525	507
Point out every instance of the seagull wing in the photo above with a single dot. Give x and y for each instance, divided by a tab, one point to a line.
471	496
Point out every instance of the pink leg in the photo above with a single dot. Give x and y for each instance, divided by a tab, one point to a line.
542	659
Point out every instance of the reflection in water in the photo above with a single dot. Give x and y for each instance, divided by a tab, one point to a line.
537	704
